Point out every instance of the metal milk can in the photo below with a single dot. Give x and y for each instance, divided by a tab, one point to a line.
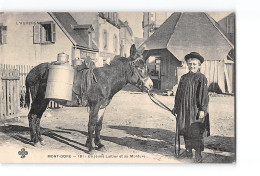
77	61
60	81
63	57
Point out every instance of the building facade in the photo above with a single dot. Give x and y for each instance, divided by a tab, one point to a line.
228	25
152	21
106	33
33	38
126	38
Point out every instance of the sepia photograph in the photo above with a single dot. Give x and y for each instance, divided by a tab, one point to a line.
118	87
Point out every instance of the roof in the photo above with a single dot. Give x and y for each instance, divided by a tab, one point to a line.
74	31
183	33
222	24
125	24
138	41
88	27
103	16
229	15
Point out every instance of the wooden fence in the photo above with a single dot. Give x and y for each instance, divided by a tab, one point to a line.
12	89
9	91
220	75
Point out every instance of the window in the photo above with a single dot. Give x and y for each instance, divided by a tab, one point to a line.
104	61
115	17
230	24
110	15
44	32
115	43
3	35
105	38
106	14
89	39
153	16
122	48
157	66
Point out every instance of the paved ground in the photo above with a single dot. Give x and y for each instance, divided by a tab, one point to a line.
134	130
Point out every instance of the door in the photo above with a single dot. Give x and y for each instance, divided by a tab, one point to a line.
163	73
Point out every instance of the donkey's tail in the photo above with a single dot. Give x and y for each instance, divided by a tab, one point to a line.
27	94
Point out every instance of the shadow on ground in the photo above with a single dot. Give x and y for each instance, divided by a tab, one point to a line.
19	132
150	140
160	141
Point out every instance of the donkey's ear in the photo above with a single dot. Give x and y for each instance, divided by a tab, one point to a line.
132	51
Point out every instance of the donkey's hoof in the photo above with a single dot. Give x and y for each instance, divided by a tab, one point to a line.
90	147
37	144
42	142
101	148
91	152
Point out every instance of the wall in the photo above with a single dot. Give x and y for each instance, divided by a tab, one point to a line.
127	41
214	72
169	65
99	25
20	48
108	53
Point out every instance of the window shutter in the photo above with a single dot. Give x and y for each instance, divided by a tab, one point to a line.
105	37
89	40
4	41
115	43
113	16
43	34
1	34
116	18
53	33
106	14
36	34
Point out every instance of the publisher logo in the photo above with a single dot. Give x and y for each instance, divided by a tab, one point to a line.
23	153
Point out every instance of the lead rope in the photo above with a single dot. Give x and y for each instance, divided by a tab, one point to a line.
177	136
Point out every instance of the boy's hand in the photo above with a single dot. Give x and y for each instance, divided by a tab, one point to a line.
201	114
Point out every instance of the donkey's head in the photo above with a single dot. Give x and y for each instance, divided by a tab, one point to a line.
139	77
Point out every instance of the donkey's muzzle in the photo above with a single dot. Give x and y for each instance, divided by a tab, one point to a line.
148	84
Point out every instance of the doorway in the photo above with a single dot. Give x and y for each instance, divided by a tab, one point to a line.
154	70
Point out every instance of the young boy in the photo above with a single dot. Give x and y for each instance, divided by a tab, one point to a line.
191	104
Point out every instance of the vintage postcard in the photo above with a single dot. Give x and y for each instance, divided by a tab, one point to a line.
117	87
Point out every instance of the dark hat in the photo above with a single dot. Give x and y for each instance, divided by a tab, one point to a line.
194	55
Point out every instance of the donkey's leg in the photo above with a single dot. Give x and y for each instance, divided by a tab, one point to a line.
93	114
33	90
38	120
38	106
34	137
98	129
30	127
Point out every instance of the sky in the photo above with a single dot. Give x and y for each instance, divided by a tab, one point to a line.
135	20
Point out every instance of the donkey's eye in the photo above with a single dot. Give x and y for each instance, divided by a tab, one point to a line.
141	64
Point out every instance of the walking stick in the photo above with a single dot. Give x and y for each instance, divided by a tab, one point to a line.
177	139
177	136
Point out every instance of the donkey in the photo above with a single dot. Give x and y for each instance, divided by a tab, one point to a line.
110	79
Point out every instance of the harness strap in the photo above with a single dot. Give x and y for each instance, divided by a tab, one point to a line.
177	136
